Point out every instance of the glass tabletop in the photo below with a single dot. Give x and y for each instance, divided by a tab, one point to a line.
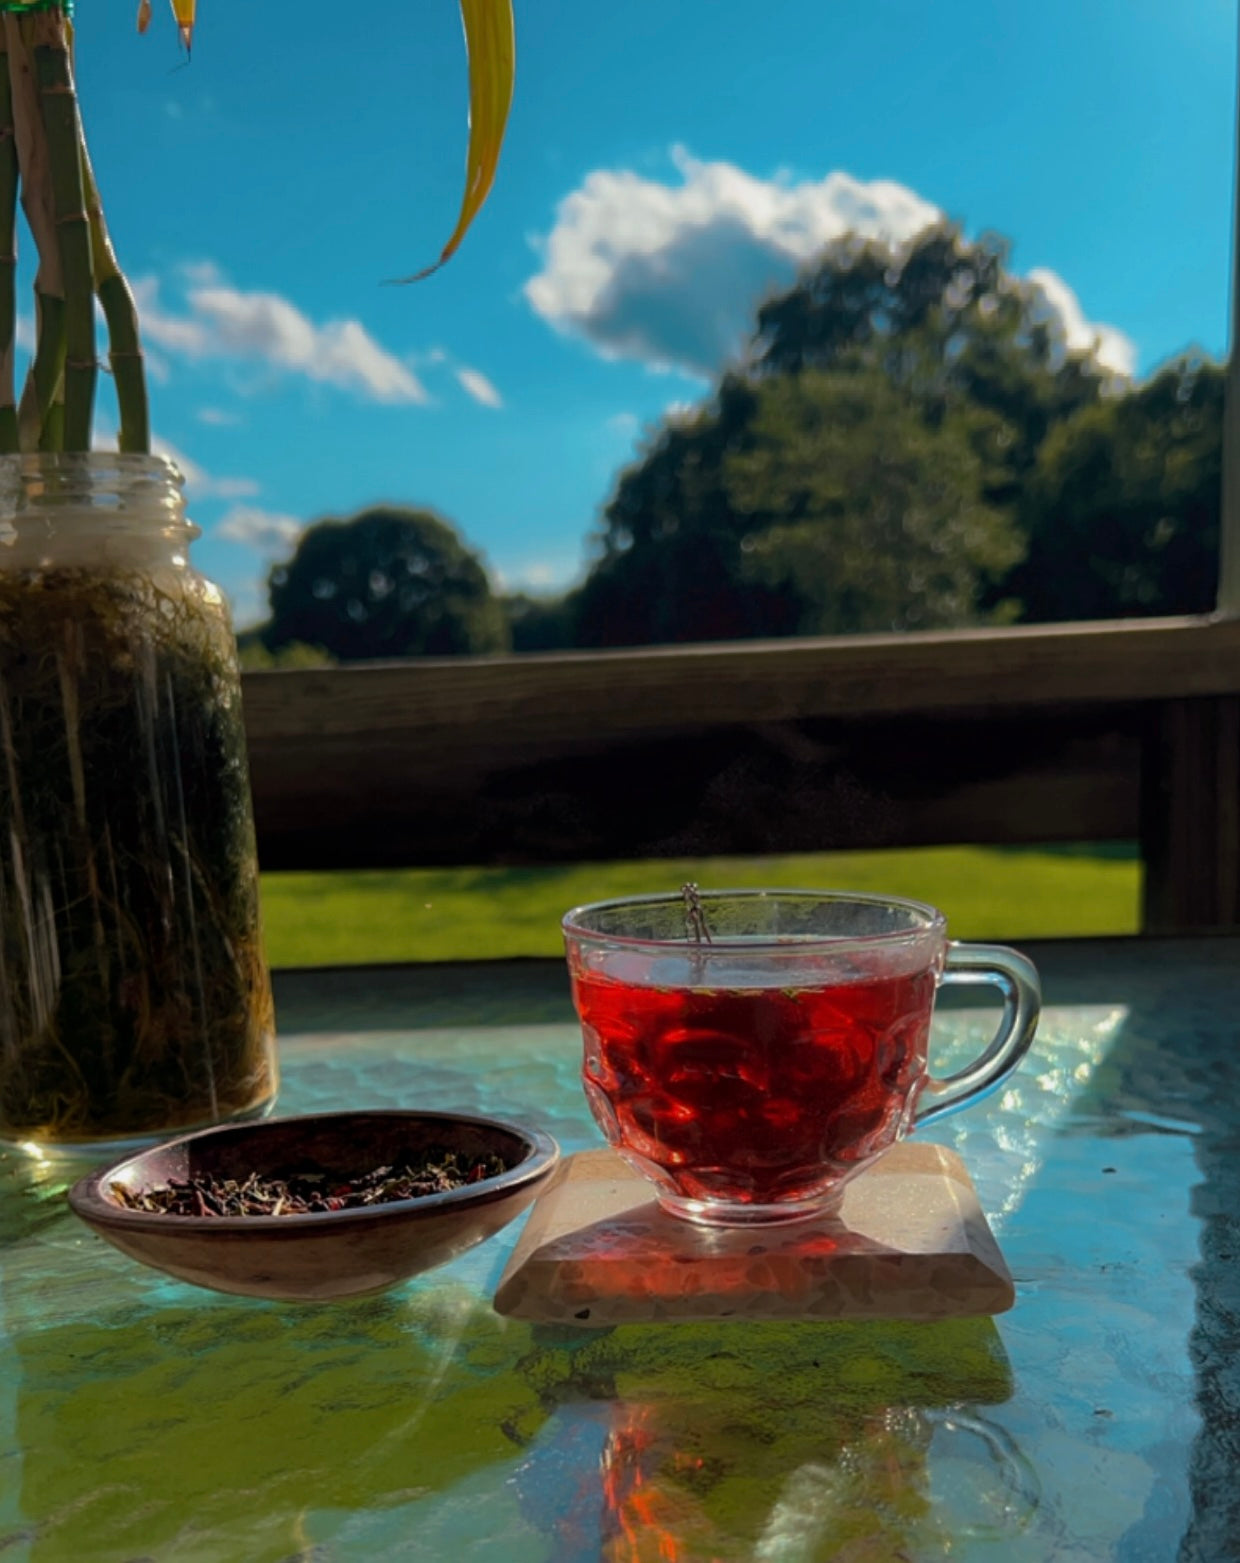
144	1419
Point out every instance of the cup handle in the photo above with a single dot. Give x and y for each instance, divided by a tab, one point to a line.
1017	979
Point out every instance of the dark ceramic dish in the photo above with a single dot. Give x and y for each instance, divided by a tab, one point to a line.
327	1255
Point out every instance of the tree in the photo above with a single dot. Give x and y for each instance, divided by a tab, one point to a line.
802	504
386	583
1122	509
670	549
540	623
945	320
866	516
861	472
254	657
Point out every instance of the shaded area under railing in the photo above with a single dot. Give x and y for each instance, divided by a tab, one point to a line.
1032	734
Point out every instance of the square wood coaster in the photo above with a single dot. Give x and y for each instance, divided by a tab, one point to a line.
908	1240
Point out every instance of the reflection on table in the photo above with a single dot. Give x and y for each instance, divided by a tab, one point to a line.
140	1418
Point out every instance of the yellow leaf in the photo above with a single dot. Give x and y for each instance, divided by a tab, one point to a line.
184	10
491	42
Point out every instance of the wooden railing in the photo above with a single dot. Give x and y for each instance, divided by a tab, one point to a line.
1033	734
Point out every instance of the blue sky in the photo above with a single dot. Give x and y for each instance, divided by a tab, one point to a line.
667	162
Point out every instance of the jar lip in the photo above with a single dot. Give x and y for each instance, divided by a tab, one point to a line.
53	502
130	464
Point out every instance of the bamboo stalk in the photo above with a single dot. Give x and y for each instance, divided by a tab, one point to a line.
8	258
44	387
52	436
121	314
58	102
43	379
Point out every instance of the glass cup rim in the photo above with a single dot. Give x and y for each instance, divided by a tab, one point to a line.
935	920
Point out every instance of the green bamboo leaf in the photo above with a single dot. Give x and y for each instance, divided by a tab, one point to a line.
491	42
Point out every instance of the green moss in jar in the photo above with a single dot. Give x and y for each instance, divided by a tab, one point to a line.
134	994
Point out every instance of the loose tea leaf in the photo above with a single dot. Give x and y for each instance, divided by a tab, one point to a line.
311	1191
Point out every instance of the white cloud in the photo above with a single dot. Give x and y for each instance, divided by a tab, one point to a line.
341	352
175	334
217	417
625	423
201	273
157	366
248	601
671	274
1112	349
540	576
476	384
194	475
267	531
199	484
536	575
227	322
233	488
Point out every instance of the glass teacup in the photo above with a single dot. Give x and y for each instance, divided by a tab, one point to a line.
750	1050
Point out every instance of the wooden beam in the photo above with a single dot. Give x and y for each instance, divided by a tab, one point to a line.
1190	834
1013	736
548	701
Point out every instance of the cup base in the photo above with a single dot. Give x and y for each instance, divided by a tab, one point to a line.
715	1213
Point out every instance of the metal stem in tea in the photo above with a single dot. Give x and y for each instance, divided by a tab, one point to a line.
695	917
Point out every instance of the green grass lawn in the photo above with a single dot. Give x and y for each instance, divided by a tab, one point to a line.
481	913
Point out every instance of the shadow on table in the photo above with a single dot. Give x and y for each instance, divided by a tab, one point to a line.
221	1431
521	992
404	997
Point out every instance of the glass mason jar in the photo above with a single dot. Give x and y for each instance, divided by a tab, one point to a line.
134	993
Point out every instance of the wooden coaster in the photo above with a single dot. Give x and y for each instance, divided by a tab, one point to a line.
909	1240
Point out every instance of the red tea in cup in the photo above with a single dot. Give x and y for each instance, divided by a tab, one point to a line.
752	1054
